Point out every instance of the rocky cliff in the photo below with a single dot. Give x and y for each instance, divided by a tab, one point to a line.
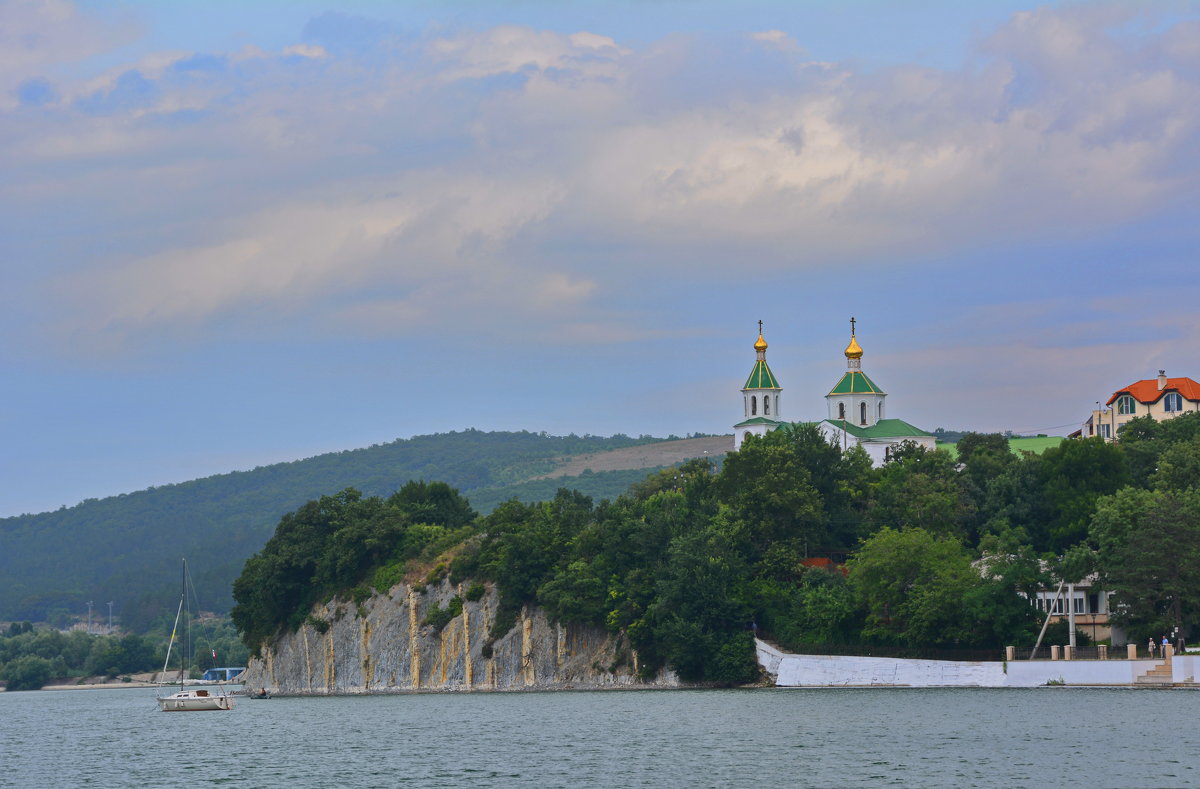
380	646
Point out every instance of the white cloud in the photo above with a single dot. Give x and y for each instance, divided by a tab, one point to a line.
38	36
776	39
473	172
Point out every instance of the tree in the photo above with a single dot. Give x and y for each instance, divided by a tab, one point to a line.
1001	607
1178	467
1144	440
983	457
920	488
433	502
1149	556
770	489
27	673
700	621
912	585
1074	475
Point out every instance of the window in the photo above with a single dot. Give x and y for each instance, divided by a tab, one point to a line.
1126	404
862	413
1173	402
753	405
880	410
766	405
1105	430
841	410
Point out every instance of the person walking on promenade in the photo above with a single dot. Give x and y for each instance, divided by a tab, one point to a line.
1165	643
1150	646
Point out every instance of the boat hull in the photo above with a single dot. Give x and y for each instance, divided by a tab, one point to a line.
193	701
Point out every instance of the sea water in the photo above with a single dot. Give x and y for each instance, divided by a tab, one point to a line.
718	738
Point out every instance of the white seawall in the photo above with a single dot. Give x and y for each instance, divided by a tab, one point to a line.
833	671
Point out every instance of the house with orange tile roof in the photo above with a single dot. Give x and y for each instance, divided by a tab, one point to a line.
1158	398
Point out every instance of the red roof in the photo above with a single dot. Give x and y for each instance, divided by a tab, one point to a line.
1147	391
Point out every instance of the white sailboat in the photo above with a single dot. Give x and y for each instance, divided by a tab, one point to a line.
196	699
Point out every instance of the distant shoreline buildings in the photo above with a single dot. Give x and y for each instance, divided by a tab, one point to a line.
857	407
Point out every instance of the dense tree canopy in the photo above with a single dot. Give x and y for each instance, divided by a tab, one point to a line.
937	551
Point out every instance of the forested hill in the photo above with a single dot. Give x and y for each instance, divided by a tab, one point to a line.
126	548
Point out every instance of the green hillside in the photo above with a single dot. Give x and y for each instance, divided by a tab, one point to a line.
126	548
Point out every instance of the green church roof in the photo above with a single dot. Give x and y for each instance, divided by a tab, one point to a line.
760	420
761	377
884	428
855	382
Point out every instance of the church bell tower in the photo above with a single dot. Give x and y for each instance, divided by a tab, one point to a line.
855	399
760	397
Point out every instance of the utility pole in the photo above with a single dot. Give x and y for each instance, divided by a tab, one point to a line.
1071	616
89	624
110	604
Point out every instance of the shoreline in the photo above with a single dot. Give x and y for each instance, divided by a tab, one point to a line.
100	683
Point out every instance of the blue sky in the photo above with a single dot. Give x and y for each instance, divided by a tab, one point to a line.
237	233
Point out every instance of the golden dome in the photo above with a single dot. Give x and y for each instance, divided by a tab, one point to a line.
760	344
853	350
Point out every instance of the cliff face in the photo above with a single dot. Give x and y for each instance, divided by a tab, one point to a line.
381	647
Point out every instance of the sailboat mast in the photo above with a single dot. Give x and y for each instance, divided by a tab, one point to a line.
187	640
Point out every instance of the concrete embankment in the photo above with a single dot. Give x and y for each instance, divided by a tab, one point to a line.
839	671
381	646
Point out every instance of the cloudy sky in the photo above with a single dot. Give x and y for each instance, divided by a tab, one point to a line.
233	233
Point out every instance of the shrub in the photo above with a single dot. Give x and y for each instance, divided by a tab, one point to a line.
439	617
506	619
388	576
436	574
318	624
475	591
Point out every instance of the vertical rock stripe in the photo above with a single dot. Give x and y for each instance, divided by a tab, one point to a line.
414	649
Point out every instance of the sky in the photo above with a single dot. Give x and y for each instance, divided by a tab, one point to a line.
236	233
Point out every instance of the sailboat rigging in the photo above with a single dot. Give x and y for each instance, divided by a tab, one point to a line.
188	700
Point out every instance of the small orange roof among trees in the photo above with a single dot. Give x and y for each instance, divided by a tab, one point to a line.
1147	391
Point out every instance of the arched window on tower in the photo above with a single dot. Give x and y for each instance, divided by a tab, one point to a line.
766	405
862	413
753	405
841	410
880	416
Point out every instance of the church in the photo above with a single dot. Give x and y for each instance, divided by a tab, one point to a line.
857	413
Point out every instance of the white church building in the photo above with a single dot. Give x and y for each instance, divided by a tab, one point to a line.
857	413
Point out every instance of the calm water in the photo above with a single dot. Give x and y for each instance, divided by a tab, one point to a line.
772	738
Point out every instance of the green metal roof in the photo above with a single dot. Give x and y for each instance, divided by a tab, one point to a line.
760	420
855	382
761	377
884	428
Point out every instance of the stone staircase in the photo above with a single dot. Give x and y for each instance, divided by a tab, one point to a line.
1157	677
